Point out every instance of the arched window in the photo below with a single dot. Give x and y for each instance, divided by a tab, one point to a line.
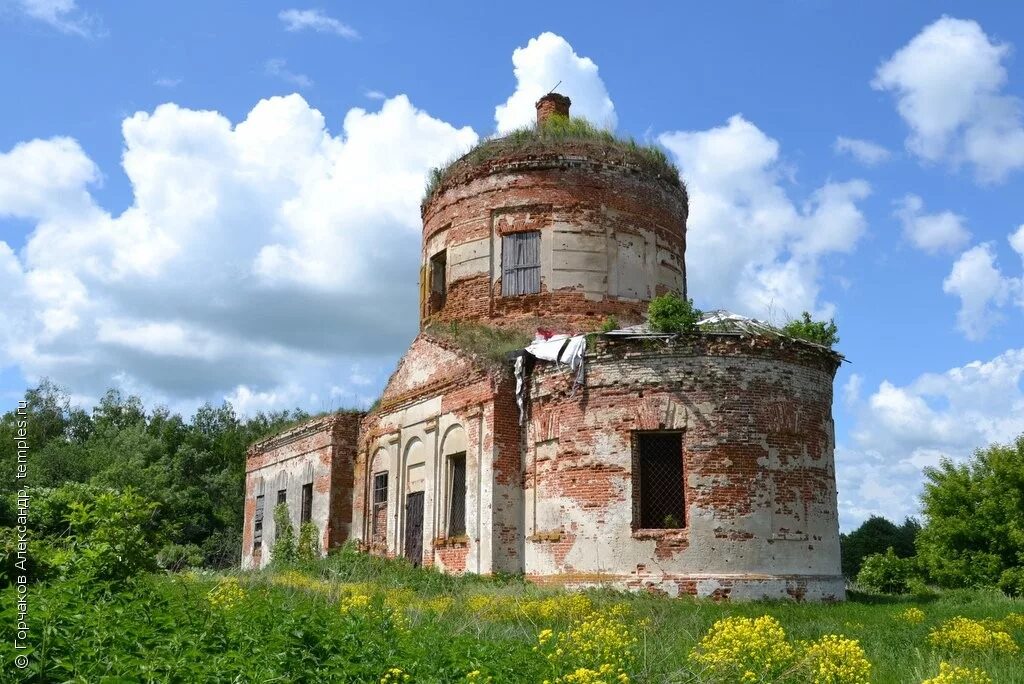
453	451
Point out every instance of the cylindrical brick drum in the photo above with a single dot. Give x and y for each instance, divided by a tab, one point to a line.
702	467
565	234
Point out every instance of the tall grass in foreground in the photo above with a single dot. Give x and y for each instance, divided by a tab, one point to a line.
357	618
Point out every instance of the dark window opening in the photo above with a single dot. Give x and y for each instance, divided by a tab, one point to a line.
438	281
457	501
257	528
658	480
307	503
520	263
282	496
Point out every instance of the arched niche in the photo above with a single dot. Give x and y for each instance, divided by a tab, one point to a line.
415	465
281	482
454	441
381	461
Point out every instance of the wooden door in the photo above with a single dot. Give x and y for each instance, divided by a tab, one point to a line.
414	528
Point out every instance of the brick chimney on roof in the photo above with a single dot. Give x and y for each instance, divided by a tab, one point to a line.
550	105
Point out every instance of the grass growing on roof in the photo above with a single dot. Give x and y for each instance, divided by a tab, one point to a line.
480	340
556	130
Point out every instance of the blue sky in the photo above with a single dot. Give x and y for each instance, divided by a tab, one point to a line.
862	161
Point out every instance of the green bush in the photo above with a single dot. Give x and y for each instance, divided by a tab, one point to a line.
284	536
875	535
112	537
886	573
42	560
819	332
177	557
609	324
308	548
1011	581
670	313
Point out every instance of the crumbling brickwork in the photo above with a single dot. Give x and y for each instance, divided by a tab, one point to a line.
758	473
701	465
320	452
611	239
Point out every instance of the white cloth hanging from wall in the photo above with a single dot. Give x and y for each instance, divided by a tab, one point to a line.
561	349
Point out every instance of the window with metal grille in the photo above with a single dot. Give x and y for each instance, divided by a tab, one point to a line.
306	512
658	480
457	500
520	263
257	524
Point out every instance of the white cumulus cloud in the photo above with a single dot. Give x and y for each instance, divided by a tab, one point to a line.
948	82
932	233
864	151
901	429
546	60
983	290
254	255
750	247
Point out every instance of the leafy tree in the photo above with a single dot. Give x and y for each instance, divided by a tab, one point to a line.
670	313
974	517
875	535
819	332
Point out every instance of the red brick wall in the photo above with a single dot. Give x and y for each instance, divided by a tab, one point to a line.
571	189
759	475
326	444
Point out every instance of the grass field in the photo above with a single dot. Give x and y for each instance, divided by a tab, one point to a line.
356	618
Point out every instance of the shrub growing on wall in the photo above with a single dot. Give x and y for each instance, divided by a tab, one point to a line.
284	536
309	542
806	328
670	313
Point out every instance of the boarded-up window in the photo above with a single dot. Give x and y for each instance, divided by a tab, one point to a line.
457	500
306	512
257	524
520	263
658	480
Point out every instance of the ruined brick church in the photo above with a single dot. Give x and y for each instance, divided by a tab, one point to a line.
692	464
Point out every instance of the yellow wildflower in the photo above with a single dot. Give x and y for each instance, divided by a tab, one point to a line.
743	649
966	636
393	675
913	615
226	595
949	674
835	659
